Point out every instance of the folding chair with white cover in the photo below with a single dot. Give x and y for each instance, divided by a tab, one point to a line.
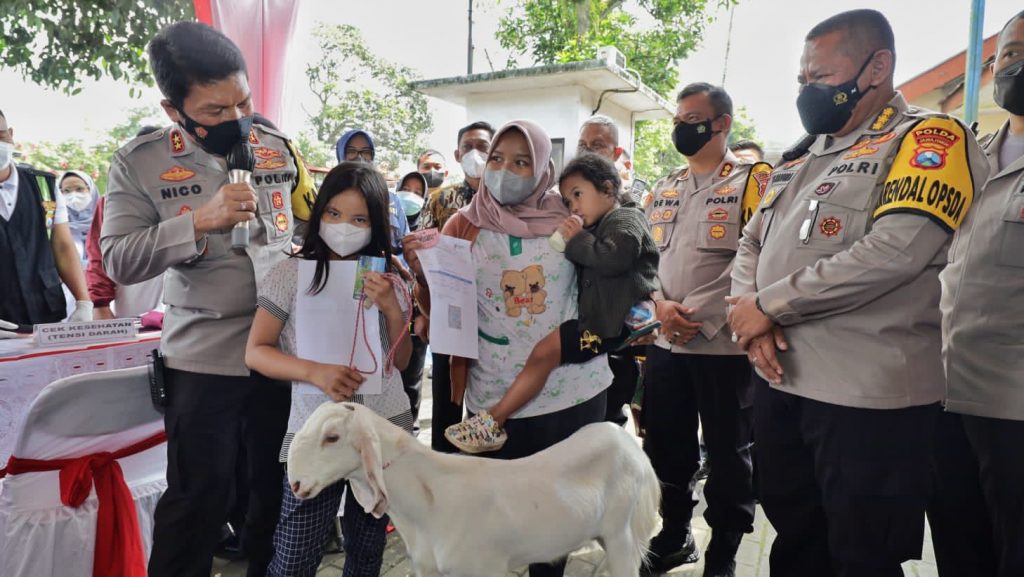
89	414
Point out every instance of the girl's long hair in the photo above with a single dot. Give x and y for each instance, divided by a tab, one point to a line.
346	176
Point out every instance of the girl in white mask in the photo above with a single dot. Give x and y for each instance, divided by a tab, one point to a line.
80	196
349	219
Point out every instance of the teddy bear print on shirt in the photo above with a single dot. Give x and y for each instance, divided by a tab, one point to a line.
524	289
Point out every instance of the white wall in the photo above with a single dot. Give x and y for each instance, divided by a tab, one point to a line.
560	111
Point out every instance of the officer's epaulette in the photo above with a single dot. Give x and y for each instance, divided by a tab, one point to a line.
984	141
145	138
922	112
264	129
800	148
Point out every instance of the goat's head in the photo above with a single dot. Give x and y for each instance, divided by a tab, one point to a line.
339	441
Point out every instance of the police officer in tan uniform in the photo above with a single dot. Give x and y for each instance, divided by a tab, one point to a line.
696	215
170	211
977	515
836	298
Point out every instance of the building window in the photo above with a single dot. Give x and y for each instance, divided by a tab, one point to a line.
558	155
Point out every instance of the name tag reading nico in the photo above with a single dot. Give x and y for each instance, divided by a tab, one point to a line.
84	333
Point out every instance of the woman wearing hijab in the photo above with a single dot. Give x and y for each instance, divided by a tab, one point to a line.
411	190
525	289
80	196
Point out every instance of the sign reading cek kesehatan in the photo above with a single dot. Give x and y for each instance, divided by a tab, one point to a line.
85	333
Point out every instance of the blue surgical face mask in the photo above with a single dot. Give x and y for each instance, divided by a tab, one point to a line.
508	188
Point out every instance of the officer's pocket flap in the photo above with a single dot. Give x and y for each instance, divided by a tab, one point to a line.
842	192
1014	211
718	236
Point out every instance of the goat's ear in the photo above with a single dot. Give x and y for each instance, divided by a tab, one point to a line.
370	490
331	428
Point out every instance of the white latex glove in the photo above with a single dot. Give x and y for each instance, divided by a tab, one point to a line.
82	313
8	334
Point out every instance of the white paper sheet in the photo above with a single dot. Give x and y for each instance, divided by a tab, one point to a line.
452	279
325	325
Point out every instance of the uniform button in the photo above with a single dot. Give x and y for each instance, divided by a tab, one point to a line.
586	283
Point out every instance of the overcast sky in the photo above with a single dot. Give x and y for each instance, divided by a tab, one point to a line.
431	38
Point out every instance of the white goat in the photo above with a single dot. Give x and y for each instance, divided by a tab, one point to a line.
466	516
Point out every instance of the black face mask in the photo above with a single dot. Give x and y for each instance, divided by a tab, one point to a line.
826	109
1009	90
435	178
690	138
219	138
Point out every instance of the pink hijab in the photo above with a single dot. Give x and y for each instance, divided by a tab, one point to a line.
537	216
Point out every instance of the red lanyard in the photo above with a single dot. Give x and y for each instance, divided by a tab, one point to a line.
361	323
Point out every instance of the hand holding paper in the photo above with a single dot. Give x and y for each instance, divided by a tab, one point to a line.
338	381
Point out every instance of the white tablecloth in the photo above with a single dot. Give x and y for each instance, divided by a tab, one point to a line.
25	369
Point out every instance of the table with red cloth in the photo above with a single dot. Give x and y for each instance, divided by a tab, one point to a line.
25	369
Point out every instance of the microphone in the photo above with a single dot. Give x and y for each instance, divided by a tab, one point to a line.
241	162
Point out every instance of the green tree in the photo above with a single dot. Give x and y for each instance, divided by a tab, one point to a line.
57	43
356	89
91	158
743	127
652	34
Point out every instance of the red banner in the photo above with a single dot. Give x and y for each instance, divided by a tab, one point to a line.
263	30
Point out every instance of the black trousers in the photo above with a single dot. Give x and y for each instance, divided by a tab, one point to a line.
625	374
530	435
208	420
844	487
444	412
977	511
679	389
412	376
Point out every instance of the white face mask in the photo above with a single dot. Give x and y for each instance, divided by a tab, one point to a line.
473	163
343	238
6	151
77	201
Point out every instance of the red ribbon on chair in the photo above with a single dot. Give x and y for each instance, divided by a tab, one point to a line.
118	543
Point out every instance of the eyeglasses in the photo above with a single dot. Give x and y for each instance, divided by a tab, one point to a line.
594	147
366	154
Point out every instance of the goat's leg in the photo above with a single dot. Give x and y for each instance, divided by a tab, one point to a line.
621	555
